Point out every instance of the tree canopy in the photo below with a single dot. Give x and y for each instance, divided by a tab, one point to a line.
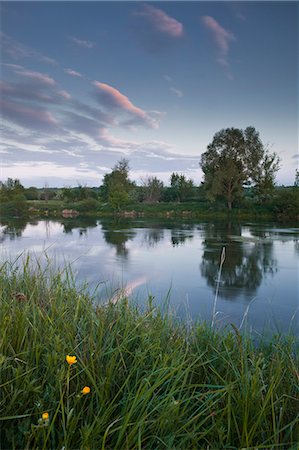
152	189
236	158
117	185
182	188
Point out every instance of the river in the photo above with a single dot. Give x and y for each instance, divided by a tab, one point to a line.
175	262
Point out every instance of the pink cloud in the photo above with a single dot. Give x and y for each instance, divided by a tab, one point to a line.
113	98
28	117
20	91
116	98
107	139
73	73
162	22
38	77
222	38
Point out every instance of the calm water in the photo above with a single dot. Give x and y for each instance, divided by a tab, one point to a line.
259	276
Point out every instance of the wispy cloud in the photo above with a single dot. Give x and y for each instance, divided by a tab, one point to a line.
81	124
34	87
12	66
174	90
162	22
167	78
73	73
177	92
80	139
112	98
82	42
155	30
24	92
16	50
33	118
222	39
64	94
37	77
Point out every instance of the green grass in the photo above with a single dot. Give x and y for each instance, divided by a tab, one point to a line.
185	210
155	383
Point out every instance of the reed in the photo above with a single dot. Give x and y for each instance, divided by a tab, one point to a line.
140	379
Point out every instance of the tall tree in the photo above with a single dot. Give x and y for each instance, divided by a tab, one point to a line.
117	185
152	189
12	198
182	188
261	165
236	158
223	165
264	183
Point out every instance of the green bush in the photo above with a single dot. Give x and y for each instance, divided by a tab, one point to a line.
14	208
90	205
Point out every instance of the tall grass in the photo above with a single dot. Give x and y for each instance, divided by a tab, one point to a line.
154	383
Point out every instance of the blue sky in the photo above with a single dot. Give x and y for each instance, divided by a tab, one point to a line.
87	83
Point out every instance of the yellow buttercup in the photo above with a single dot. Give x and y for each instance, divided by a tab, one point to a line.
71	359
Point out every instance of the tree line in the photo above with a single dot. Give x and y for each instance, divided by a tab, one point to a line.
236	165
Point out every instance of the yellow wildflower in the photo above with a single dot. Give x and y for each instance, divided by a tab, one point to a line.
71	359
85	390
45	416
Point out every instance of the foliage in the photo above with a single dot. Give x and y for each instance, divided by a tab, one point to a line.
11	188
236	158
285	203
154	383
77	194
182	189
117	185
118	199
12	198
265	183
31	193
152	189
117	181
87	205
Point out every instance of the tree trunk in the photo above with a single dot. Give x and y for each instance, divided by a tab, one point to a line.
229	196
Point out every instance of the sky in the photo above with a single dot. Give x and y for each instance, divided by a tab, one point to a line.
85	84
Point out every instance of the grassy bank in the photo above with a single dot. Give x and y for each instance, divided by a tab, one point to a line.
184	210
154	383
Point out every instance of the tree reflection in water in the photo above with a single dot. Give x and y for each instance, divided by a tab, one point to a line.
247	260
180	235
153	236
82	223
13	228
117	233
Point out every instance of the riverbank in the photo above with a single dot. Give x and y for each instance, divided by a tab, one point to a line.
183	210
139	379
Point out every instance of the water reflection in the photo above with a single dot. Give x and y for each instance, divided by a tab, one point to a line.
13	228
179	235
117	234
153	236
81	223
248	261
184	254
